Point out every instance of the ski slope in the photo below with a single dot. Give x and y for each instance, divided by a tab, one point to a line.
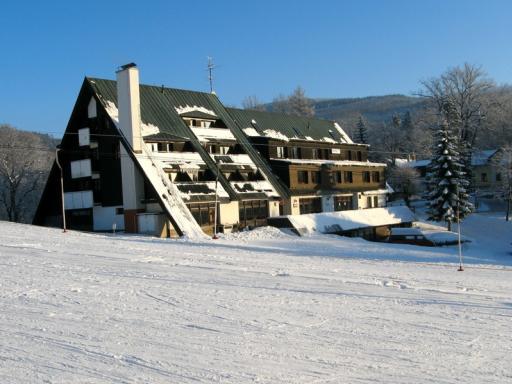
255	307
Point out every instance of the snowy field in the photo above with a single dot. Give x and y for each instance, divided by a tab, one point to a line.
256	307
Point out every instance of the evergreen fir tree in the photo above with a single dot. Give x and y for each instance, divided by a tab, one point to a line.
362	131
447	184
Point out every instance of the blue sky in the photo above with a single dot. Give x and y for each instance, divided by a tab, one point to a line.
262	48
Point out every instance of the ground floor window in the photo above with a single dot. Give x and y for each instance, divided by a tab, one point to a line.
342	203
310	205
204	213
375	201
251	212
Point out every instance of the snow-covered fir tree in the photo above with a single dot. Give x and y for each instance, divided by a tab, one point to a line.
362	131
447	184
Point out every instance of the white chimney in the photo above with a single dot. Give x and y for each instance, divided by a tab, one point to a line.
128	103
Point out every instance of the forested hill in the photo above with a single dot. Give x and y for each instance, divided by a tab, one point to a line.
375	109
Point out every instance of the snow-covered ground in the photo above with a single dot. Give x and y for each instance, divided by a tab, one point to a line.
255	307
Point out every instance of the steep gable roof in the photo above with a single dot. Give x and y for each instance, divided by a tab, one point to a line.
160	107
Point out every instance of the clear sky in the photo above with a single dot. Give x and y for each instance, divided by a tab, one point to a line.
263	48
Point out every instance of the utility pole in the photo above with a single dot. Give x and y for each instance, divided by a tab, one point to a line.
211	66
61	189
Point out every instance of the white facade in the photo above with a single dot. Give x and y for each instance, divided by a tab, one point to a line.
132	182
104	218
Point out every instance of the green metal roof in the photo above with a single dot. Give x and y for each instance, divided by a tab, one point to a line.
293	127
158	107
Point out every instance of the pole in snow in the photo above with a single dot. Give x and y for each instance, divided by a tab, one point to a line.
461	268
61	189
215	216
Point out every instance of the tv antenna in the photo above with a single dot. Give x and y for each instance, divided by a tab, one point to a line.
211	67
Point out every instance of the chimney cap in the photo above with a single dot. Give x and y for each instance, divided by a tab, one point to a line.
126	66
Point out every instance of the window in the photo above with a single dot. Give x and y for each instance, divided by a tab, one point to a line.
280	152
349	155
310	205
252	210
359	156
119	211
347	176
338	177
483	177
78	200
368	202
295	153
315	153
498	177
375	201
302	177
204	213
223	150
376	176
81	168
84	137
165	147
315	177
366	176
342	203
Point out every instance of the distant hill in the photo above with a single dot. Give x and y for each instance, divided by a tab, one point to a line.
374	108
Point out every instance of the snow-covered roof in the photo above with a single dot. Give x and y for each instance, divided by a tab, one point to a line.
415	163
213	134
328	222
332	162
406	231
482	157
254	187
146	128
187	109
184	161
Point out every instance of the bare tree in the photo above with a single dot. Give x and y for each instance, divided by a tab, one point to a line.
252	102
502	161
405	181
464	88
281	104
24	163
299	104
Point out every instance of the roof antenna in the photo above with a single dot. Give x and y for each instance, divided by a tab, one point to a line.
211	66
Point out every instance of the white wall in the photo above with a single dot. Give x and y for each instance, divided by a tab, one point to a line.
78	200
295	207
228	213
132	182
104	217
150	223
273	208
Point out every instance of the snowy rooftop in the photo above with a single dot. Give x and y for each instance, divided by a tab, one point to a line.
254	187
332	162
353	219
213	134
